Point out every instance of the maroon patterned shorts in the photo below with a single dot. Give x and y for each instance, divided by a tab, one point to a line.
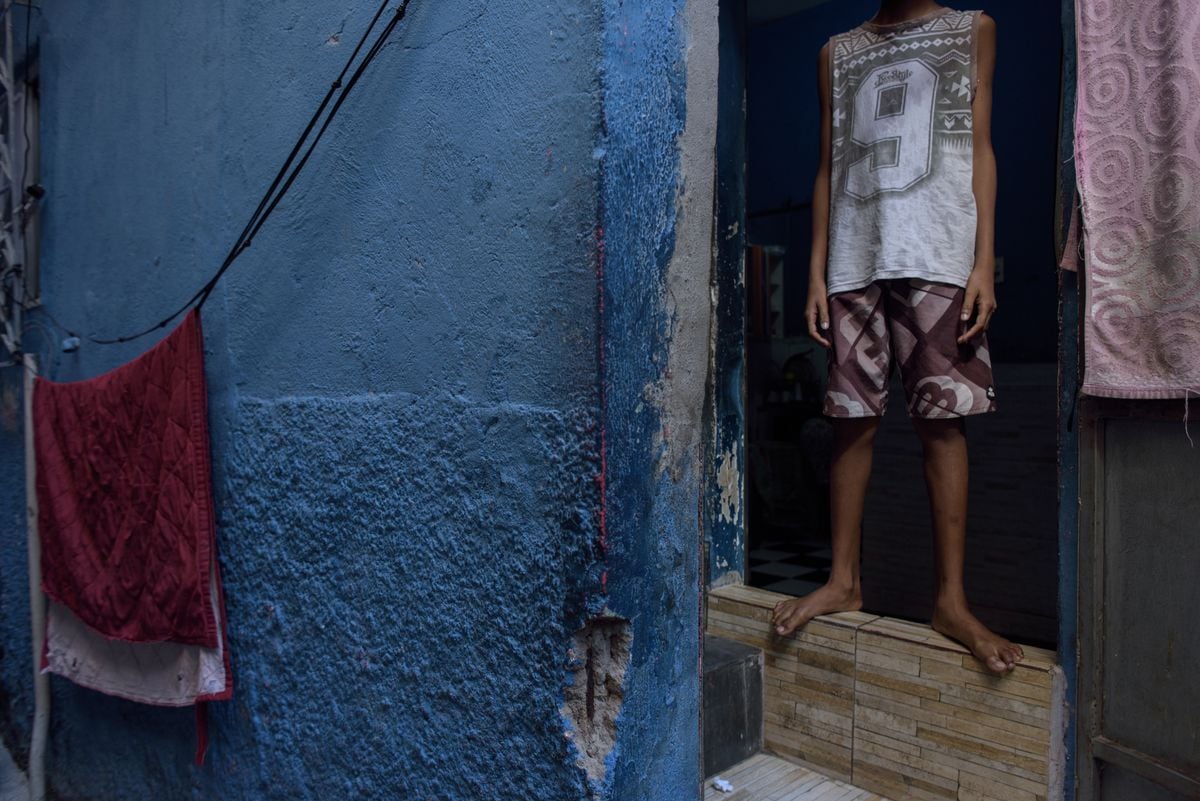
914	323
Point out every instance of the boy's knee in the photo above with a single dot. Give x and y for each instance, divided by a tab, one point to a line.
939	431
855	429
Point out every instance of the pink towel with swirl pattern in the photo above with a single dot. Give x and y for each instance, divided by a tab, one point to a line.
1137	145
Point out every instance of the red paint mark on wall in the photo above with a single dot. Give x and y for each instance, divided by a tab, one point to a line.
602	478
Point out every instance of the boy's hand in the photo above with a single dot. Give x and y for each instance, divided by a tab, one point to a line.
816	312
980	299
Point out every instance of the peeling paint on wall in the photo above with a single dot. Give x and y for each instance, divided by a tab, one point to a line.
729	480
686	294
403	391
657	207
725	470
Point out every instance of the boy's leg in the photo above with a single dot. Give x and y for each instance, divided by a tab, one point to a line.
945	449
945	382
853	440
859	364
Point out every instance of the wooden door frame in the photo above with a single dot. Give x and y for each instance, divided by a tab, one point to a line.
1094	748
1082	422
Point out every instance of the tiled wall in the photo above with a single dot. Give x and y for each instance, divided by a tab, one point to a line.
896	708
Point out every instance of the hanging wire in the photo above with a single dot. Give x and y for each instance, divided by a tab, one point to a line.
358	73
280	186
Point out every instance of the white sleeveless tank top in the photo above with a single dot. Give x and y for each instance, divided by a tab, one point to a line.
901	201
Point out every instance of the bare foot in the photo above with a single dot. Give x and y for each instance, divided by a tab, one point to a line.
791	615
996	653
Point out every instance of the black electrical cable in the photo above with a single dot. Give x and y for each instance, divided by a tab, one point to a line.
16	269
358	73
254	223
271	198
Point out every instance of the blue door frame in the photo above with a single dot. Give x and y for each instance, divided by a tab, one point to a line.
725	459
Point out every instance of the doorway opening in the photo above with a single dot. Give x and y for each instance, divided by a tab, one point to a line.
1012	553
848	684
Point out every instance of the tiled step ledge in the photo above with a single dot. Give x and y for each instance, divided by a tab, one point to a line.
898	709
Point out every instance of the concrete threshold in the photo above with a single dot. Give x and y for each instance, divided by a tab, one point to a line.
765	777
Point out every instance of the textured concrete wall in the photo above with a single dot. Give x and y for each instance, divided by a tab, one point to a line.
16	681
455	387
403	383
656	235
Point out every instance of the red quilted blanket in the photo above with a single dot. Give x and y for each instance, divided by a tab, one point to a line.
125	495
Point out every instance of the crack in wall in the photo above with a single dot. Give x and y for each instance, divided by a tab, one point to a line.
595	692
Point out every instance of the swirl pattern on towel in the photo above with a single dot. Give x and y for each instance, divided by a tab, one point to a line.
1137	142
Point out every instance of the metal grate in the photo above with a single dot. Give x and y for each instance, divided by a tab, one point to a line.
18	279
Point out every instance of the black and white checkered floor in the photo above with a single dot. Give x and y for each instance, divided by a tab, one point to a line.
788	566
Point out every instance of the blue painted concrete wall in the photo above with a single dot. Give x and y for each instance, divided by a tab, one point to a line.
405	393
651	517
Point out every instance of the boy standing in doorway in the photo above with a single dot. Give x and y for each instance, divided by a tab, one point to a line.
903	270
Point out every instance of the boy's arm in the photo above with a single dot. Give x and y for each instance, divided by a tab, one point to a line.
816	311
981	286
